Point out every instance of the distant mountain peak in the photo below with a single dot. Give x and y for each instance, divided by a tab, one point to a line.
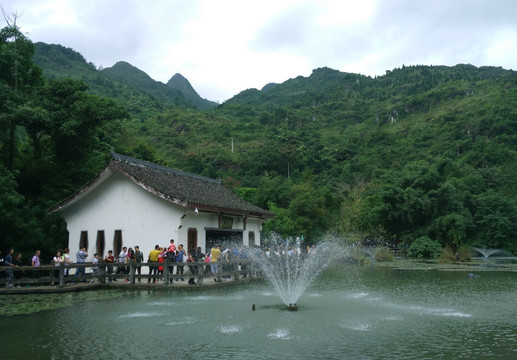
269	86
125	70
180	83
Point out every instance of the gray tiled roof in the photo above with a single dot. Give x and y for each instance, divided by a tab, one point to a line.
185	188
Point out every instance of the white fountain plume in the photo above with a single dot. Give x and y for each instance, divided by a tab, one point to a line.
487	252
290	272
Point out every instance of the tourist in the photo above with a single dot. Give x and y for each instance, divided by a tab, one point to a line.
291	252
122	259
130	259
95	270
161	259
17	262
215	253
197	257
227	258
224	258
35	262
109	260
235	256
208	267
179	259
130	254
66	260
80	259
192	269
57	261
172	247
153	258
9	273
171	255
243	257
139	259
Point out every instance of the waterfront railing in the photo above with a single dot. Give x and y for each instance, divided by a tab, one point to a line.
106	273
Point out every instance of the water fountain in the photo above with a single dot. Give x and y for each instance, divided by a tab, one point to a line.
487	252
370	251
290	271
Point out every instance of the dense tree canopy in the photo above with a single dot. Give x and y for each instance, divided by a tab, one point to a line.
423	152
55	135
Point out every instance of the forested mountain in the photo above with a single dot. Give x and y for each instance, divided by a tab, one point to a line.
180	83
129	86
423	152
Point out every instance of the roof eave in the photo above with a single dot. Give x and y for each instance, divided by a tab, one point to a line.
92	184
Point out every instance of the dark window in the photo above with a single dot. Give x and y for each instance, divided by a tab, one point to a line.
226	222
83	241
251	238
100	243
117	242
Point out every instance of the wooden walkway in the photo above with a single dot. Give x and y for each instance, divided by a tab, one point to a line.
52	279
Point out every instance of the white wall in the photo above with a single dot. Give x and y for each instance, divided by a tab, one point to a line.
119	204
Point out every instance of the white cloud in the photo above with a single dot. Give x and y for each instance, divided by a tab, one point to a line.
226	46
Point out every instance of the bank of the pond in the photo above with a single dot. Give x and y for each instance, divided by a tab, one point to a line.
494	264
183	285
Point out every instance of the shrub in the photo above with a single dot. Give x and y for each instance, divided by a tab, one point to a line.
357	256
424	247
383	254
464	254
447	255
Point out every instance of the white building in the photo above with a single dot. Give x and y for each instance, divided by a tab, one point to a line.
135	202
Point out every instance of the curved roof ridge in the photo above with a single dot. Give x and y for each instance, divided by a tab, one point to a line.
148	164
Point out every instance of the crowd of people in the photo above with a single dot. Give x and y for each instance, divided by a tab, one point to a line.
157	259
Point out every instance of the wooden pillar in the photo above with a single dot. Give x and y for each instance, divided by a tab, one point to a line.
102	272
132	272
168	272
62	274
219	271
200	273
236	270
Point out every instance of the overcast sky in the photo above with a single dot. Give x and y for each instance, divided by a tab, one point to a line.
225	46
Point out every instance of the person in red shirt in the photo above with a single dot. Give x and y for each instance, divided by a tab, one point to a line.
160	261
172	247
110	259
171	257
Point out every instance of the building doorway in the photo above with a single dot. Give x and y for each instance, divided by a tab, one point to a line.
192	240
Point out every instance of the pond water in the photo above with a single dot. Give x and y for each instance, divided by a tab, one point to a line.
348	313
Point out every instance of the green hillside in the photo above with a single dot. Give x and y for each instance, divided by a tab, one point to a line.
127	85
423	156
343	143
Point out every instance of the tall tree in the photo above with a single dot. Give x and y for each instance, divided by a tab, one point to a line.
18	77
